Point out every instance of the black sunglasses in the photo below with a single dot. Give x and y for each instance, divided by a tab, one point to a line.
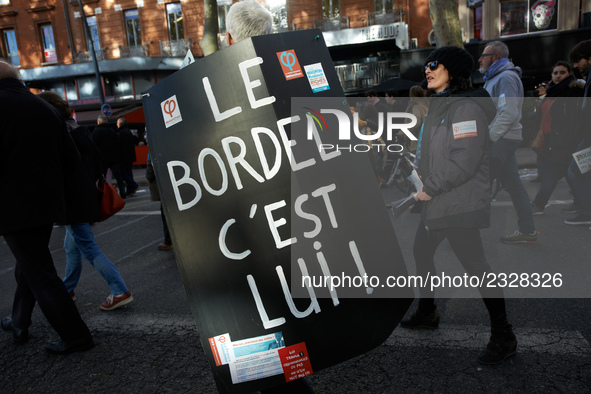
433	65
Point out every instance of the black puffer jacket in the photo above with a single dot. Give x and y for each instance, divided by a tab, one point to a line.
36	152
105	138
454	162
562	140
83	205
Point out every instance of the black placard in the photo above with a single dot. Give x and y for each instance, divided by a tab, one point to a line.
221	161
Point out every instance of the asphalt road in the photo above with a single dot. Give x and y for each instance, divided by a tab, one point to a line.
152	346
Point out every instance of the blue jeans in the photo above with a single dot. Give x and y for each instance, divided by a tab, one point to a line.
551	172
503	166
580	183
79	242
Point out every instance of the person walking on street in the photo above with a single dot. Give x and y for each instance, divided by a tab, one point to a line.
155	196
105	138
558	123
503	83
83	210
36	153
580	183
126	156
454	168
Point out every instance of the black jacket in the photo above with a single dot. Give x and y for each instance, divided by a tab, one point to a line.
454	161
83	202
36	151
126	145
105	138
564	137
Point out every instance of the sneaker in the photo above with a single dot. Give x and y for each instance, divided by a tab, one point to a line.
114	302
535	210
495	188
571	208
502	344
421	320
579	220
520	238
164	247
72	295
133	192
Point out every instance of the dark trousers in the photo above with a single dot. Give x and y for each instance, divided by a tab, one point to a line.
167	239
116	170
467	246
126	170
551	173
37	281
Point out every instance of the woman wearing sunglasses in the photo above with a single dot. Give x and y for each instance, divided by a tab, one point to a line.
453	162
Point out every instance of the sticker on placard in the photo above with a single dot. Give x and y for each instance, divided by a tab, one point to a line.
464	129
295	362
290	64
256	358
316	77
171	111
221	347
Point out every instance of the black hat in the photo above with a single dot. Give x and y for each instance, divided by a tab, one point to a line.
457	61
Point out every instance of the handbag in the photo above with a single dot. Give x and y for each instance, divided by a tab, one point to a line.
110	202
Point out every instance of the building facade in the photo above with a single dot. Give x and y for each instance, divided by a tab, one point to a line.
137	43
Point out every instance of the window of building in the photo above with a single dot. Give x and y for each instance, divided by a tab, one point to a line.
71	90
478	23
223	8
132	26
94	33
87	87
174	13
11	47
119	86
49	53
330	9
383	6
4	2
528	16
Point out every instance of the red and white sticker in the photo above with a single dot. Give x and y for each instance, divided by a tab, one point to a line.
221	348
295	361
464	129
171	111
290	64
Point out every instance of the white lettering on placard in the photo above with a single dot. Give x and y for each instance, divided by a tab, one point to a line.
210	152
256	133
314	306
185	180
261	308
288	144
326	272
222	243
250	85
233	161
274	224
304	215
213	104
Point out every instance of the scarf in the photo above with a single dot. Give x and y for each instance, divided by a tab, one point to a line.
555	90
496	66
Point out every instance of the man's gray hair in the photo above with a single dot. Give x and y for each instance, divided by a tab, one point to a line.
248	18
8	71
499	48
102	119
